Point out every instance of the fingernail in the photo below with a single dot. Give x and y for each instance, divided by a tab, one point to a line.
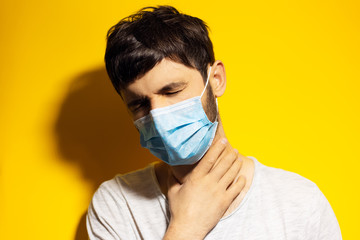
224	141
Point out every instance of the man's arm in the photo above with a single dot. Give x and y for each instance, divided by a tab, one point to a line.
198	204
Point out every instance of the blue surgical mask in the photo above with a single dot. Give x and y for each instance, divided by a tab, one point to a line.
179	134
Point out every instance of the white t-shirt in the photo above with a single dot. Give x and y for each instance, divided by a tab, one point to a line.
279	205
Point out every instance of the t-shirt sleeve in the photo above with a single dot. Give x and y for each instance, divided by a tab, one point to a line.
322	222
105	218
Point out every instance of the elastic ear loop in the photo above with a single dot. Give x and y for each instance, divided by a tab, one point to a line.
207	82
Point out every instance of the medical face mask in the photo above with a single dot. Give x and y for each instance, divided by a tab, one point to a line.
179	134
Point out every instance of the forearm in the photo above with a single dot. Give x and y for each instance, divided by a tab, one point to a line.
176	232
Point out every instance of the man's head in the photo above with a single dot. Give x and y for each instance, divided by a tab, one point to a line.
157	52
158	61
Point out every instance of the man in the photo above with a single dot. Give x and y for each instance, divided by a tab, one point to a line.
162	64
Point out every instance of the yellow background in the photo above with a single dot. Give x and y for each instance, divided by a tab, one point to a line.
292	102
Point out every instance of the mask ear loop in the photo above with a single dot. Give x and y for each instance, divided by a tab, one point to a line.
207	81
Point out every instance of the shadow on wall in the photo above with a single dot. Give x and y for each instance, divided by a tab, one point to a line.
95	132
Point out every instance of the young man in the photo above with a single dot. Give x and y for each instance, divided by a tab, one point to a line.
162	64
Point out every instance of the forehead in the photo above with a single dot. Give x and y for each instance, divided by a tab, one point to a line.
164	73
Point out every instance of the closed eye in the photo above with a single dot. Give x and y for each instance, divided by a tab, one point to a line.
172	93
172	88
138	104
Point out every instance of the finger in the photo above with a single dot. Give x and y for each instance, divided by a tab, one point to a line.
224	163
236	187
230	176
210	158
226	151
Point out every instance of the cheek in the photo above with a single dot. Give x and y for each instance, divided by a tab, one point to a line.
209	105
139	114
184	95
195	89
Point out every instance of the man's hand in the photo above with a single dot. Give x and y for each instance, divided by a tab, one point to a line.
198	204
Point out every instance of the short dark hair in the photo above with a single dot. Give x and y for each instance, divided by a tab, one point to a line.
138	42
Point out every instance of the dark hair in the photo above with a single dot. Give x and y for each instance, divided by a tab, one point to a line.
138	42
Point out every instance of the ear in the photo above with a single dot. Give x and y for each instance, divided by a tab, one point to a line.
218	78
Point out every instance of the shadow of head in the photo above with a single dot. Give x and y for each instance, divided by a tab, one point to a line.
95	132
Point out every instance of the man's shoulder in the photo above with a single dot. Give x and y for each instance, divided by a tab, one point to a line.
296	201
125	204
141	182
283	178
289	185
